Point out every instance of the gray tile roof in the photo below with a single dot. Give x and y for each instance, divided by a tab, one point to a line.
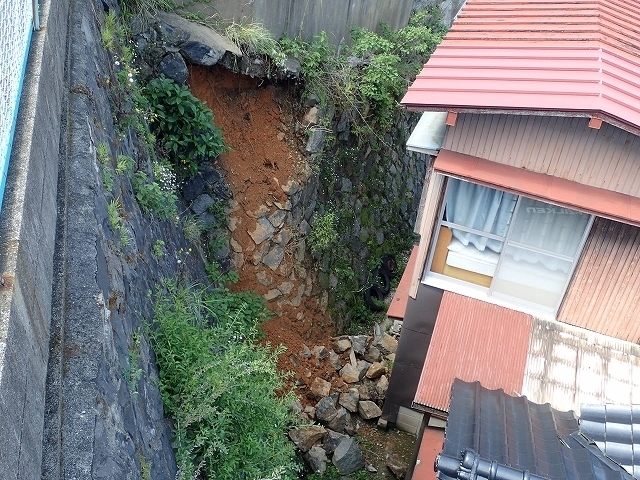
491	435
615	429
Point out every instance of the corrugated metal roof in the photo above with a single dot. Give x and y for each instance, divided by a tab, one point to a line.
491	435
473	340
616	431
568	366
581	57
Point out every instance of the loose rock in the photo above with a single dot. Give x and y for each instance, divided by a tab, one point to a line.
376	370
334	360
347	457
396	466
342	422
341	344
382	386
386	344
372	355
368	410
263	231
331	440
316	458
359	343
274	257
326	409
320	388
307	436
349	400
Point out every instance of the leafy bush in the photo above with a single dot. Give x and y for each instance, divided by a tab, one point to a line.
374	71
219	385
182	124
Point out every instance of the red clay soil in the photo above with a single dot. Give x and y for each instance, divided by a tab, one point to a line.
258	124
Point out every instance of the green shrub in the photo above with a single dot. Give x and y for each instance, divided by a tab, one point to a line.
323	231
219	386
183	125
153	199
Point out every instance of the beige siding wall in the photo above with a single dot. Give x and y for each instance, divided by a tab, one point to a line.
564	147
433	201
604	295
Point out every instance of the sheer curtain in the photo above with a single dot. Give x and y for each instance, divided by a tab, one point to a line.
481	208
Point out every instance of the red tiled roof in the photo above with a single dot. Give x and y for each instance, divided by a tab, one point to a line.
474	341
578	57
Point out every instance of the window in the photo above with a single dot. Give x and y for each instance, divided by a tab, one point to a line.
510	248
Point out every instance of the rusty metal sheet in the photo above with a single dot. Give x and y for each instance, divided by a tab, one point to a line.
580	57
474	341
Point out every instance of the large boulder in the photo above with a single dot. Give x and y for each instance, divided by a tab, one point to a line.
307	436
347	457
213	45
372	355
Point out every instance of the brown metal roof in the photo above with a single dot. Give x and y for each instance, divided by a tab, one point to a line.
474	341
580	57
599	201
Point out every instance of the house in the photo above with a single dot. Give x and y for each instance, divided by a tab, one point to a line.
492	435
529	231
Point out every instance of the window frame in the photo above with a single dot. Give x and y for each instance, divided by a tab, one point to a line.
487	294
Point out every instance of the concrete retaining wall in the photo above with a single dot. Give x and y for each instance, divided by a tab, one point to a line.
27	236
306	18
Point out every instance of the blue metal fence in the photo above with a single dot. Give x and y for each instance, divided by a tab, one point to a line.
17	21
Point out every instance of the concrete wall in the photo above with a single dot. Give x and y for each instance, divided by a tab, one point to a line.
306	18
27	235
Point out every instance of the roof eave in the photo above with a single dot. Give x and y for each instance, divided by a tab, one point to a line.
616	122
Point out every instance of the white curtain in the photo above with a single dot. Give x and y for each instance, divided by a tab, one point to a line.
480	208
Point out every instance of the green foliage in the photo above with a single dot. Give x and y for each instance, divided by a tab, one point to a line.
332	473
139	7
124	164
323	231
374	71
158	249
153	199
108	32
254	39
219	386
183	125
115	213
192	229
134	372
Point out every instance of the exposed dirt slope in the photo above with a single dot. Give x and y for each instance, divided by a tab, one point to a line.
258	124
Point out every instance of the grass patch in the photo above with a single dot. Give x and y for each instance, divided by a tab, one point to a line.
219	385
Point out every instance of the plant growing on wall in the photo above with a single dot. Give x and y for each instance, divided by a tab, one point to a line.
182	124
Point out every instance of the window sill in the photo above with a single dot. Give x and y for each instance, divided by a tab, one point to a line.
481	293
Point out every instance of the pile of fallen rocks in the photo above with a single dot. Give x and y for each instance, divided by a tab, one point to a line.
354	391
